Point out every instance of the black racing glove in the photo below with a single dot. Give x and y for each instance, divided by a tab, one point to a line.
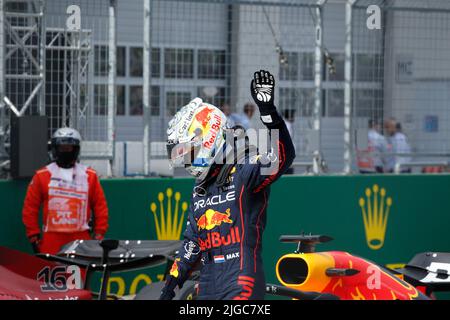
262	89
168	292
34	241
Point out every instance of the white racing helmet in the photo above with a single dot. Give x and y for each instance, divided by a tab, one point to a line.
195	135
66	137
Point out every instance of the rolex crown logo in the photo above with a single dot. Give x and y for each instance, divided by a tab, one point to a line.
375	211
169	222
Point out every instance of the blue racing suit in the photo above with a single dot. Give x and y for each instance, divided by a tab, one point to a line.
226	223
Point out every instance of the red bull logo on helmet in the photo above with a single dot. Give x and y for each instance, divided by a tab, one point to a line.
203	117
212	218
215	128
209	123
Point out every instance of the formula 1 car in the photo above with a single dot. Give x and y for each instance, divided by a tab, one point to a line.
24	276
304	274
21	270
349	277
19	274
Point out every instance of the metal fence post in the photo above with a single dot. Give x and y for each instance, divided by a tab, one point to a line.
2	60
111	81
348	87
318	68
42	58
146	84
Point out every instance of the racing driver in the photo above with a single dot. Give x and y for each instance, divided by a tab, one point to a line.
67	192
228	209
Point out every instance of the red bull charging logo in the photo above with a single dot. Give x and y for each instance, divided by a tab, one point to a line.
174	270
211	219
203	117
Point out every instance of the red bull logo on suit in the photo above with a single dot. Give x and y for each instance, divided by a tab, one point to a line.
211	219
216	240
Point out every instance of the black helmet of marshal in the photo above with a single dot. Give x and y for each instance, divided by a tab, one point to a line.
65	146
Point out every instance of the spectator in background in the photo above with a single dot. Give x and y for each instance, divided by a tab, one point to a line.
401	146
226	109
397	145
244	119
372	159
249	111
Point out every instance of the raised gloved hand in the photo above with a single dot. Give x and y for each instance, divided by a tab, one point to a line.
262	89
35	241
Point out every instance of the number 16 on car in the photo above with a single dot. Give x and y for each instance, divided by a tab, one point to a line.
60	278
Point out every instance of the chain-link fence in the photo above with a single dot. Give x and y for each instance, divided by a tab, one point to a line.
342	67
400	84
211	49
22	62
48	61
